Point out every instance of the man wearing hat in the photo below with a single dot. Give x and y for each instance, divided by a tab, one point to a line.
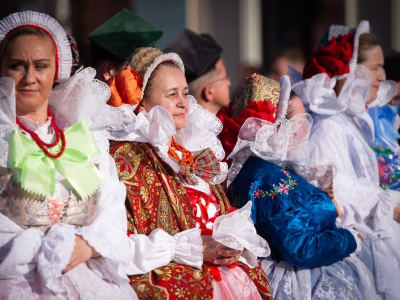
204	69
113	42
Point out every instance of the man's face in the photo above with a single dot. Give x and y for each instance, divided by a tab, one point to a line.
221	84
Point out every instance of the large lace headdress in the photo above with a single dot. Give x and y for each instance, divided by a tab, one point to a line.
53	30
7	93
335	59
260	110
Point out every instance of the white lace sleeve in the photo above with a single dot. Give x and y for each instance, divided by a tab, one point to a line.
107	233
54	255
358	237
189	248
236	230
383	213
7	117
159	248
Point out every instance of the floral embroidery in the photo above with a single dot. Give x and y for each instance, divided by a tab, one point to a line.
283	188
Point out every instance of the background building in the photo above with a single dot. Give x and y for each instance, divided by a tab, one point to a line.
252	32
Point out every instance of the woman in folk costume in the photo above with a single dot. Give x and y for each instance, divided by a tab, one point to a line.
62	227
168	157
343	77
273	167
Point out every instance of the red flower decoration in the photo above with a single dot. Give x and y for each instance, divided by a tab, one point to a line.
230	130
257	194
283	188
285	172
259	109
333	59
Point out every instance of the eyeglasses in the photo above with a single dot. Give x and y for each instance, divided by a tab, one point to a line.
224	78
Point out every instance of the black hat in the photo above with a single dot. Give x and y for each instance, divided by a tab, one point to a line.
199	52
119	36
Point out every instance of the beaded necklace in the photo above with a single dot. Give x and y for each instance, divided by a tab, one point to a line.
59	135
187	157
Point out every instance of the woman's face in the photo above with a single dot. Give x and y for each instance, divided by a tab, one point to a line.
30	61
169	90
374	63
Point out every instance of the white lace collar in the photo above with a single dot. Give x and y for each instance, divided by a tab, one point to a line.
34	125
157	126
318	94
80	98
286	144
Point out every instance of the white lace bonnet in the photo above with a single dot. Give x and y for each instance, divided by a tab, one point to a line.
145	60
52	28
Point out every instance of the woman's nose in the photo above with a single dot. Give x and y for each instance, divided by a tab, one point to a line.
382	75
30	75
183	101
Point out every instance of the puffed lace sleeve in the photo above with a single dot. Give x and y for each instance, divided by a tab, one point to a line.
18	249
107	233
159	248
236	230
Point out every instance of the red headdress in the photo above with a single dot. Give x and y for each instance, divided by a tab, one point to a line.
337	51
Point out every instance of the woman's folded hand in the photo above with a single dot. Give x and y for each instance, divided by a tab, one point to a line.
218	254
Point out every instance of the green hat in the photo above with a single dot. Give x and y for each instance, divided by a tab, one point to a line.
120	35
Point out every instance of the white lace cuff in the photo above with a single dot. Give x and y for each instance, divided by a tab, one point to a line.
236	230
21	259
357	237
383	213
54	255
106	265
188	248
